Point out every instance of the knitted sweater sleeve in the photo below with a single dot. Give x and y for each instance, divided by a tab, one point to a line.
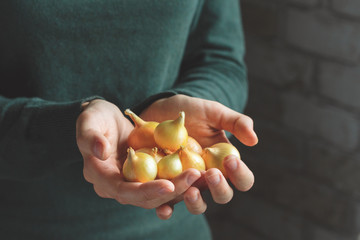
213	66
37	136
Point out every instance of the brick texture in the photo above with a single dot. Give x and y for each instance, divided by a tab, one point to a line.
319	233
326	122
307	3
304	196
271	221
278	65
321	33
340	82
303	59
262	21
334	167
349	8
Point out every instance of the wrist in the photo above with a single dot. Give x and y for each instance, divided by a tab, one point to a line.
86	102
84	105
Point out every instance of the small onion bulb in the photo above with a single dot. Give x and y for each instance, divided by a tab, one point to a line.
190	159
214	156
154	152
169	166
139	167
171	134
193	145
142	136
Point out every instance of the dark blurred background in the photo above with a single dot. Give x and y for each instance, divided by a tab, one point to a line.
303	59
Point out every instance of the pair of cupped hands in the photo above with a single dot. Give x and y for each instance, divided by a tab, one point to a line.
102	132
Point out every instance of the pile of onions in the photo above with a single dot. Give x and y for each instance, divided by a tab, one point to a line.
164	150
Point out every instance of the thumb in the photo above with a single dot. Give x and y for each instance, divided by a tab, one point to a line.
238	124
100	148
93	143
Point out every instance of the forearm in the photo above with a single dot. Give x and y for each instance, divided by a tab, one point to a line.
213	64
220	82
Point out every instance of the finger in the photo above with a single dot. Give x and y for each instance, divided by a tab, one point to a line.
185	180
164	212
220	190
213	139
239	174
194	202
147	195
238	124
201	183
92	143
106	176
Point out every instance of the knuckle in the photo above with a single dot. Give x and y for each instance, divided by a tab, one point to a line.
147	205
179	190
248	119
222	200
223	197
199	209
87	176
120	199
244	187
145	195
84	116
99	192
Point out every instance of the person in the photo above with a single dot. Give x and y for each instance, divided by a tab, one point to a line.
68	71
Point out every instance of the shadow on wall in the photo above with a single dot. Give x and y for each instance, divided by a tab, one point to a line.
303	59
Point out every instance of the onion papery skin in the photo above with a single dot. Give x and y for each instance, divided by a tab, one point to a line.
139	167
154	152
190	159
171	134
142	136
193	145
214	156
169	166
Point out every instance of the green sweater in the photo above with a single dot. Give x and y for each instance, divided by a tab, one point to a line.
56	54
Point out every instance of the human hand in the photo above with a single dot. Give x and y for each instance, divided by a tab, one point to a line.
101	133
206	121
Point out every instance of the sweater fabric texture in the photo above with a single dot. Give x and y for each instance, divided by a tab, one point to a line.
57	54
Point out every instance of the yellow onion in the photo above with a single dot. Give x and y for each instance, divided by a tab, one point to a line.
142	136
171	134
214	156
190	159
154	152
193	145
169	166
139	167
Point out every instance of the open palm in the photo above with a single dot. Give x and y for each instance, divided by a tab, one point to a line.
207	121
102	132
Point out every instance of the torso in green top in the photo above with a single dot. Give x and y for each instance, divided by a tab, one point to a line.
74	49
54	53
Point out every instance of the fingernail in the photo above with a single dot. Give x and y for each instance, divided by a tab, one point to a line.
164	191
213	179
193	198
98	149
191	179
231	164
